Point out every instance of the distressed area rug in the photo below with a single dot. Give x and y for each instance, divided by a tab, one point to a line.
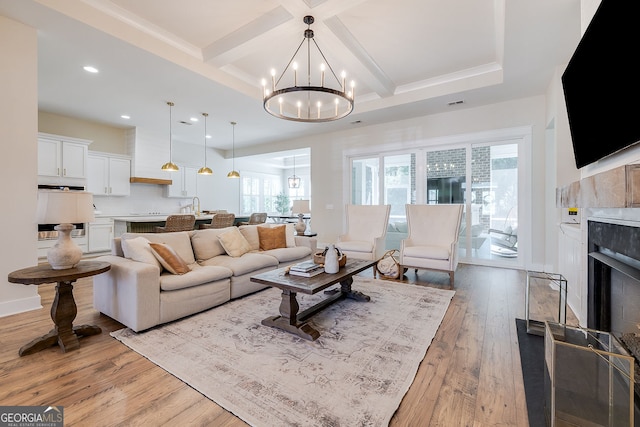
355	374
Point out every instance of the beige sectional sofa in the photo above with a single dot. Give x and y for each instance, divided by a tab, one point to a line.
140	292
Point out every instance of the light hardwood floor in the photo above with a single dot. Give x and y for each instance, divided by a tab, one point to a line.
470	376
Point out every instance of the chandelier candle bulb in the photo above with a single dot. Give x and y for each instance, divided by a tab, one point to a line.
295	75
273	79
344	76
322	75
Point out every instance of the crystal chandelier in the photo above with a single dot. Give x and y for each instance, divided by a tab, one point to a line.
308	102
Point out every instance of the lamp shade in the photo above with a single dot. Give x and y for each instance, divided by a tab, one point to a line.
300	206
64	206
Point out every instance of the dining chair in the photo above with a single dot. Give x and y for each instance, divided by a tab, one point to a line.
177	223
221	220
255	218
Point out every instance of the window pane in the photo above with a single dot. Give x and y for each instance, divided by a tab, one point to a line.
365	181
494	202
446	170
399	190
258	192
399	184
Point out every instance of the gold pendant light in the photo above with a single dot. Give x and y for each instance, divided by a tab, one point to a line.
170	166
205	170
234	173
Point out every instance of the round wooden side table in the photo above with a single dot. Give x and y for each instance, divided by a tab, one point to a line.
63	310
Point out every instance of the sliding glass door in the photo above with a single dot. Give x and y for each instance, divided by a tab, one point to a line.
482	177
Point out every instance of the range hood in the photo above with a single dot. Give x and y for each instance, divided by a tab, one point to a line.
141	180
148	152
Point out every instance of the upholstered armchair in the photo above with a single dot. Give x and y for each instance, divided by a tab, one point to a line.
366	231
432	242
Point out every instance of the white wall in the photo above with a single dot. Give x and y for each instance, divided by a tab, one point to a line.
18	138
328	154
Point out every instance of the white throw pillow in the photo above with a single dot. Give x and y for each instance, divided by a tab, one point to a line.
138	249
234	242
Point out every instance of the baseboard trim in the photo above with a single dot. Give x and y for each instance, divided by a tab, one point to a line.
7	308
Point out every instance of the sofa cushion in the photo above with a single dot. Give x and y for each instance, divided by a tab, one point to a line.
138	249
244	264
169	259
289	254
206	244
199	275
180	241
234	242
272	237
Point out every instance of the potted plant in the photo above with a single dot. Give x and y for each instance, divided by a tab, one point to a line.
281	204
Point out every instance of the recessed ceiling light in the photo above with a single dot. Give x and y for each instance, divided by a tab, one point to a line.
124	116
208	136
90	69
193	119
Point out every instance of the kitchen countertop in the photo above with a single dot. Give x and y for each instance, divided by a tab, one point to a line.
152	218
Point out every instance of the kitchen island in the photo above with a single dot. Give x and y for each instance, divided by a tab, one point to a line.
147	223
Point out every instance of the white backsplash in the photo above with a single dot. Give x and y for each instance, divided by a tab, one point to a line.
144	199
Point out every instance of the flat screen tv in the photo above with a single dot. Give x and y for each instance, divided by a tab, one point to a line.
602	83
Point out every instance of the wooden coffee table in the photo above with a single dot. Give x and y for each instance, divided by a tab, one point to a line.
293	321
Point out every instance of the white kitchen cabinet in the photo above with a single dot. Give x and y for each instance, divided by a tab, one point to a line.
108	174
61	159
100	234
184	182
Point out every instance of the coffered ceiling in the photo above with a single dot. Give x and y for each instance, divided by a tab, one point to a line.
408	58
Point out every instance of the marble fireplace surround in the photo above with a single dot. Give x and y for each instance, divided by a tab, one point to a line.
610	211
615	188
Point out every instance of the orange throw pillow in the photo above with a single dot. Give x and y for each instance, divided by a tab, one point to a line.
272	237
169	259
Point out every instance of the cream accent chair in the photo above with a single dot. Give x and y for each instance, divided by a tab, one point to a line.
432	242
366	231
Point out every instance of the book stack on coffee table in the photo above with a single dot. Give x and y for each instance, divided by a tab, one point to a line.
306	269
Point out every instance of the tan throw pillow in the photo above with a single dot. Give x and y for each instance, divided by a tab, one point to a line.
169	259
272	237
138	249
234	242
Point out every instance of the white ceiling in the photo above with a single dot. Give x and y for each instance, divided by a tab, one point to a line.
408	58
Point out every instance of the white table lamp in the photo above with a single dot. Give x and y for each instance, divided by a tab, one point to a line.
300	207
65	208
